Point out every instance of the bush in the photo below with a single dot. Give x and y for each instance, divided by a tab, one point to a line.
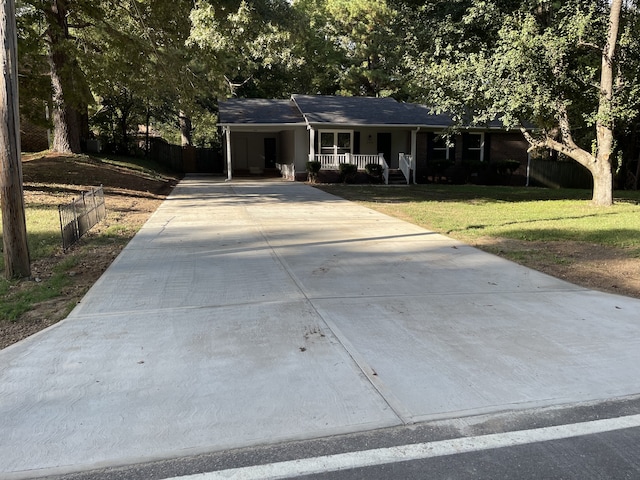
503	167
441	166
313	167
348	172
373	169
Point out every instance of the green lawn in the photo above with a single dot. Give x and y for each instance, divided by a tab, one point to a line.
43	231
469	212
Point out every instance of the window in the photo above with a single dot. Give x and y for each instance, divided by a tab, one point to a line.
326	143
336	142
441	149
474	150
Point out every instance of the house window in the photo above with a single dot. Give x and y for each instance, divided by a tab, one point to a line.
336	142
474	147
441	149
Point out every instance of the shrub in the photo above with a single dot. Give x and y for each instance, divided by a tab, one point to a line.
373	169
313	167
503	167
440	166
348	172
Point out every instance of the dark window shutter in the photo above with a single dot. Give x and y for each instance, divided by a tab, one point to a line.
465	147
430	138
487	147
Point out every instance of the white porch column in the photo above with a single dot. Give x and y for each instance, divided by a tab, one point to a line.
312	144
414	150
227	134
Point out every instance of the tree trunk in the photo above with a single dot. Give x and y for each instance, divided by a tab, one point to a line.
66	119
602	184
185	129
14	229
602	171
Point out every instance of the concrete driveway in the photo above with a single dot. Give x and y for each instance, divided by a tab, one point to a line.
250	313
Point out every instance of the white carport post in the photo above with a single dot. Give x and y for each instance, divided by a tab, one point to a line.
312	144
414	151
227	134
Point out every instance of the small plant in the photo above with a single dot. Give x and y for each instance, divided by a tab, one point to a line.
374	169
348	172
313	167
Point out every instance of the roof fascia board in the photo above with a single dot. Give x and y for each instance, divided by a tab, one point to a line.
271	125
321	126
377	125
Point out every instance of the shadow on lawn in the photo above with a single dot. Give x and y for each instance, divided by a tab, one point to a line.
57	173
469	193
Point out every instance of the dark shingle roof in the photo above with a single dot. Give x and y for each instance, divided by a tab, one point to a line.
334	110
319	110
258	111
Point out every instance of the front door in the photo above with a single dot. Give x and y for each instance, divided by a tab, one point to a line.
384	146
270	153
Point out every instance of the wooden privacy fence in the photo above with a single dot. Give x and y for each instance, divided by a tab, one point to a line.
78	216
186	159
559	174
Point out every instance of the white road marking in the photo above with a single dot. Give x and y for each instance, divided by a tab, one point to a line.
381	456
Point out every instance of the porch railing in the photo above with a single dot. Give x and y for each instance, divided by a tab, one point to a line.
406	164
329	161
385	169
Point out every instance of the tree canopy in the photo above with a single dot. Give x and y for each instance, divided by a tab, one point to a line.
556	66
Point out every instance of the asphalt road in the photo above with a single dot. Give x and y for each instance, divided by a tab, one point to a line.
574	442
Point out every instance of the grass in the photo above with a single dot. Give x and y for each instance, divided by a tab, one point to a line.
43	226
16	302
44	238
531	214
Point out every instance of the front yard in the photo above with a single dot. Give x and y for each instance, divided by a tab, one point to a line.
555	231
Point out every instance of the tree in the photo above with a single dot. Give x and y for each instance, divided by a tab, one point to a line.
14	230
135	70
244	42
368	37
108	62
550	63
33	66
67	80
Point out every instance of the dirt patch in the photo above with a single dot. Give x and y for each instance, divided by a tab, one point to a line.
131	196
590	265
